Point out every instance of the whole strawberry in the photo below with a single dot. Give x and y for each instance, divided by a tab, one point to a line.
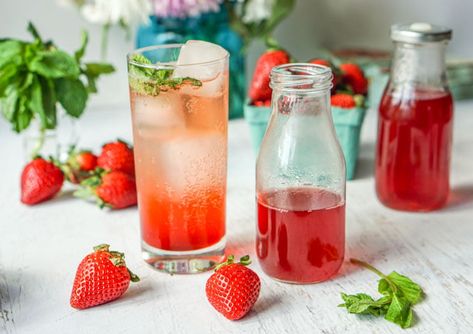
79	165
354	77
233	289
40	180
117	156
102	276
259	87
114	189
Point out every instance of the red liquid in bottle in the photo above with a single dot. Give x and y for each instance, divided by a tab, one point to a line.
413	151
301	234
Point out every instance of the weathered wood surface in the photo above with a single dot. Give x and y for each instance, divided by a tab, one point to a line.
40	248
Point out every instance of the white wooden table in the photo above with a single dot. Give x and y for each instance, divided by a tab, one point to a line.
40	248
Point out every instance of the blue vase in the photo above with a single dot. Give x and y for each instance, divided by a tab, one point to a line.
211	27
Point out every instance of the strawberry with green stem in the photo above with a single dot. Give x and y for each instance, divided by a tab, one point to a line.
234	288
113	189
102	276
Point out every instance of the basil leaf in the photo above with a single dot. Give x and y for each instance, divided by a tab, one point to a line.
72	95
81	51
54	64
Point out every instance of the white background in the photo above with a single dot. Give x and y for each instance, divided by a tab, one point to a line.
313	24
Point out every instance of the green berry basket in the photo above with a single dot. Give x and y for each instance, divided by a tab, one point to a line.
347	122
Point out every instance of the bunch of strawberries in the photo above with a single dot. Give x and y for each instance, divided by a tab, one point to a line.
350	85
108	178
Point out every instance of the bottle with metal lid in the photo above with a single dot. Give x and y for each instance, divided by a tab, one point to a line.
415	121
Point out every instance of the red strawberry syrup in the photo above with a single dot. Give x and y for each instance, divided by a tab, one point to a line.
413	151
301	234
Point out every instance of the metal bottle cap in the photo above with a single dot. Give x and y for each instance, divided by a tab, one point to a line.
420	32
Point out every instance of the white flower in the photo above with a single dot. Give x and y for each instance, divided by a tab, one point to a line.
258	10
113	12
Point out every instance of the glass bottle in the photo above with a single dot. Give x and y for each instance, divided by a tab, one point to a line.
300	180
415	122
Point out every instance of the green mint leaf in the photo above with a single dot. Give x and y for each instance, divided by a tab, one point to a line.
34	32
49	102
35	102
23	115
400	293
400	311
409	290
8	74
151	81
54	64
97	69
11	53
81	51
72	95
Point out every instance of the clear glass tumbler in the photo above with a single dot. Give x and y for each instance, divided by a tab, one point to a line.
179	106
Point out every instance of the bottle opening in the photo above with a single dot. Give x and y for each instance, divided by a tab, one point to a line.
301	77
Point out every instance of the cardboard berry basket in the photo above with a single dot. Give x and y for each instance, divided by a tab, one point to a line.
347	122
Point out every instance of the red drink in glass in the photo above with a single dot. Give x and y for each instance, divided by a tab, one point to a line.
301	234
413	150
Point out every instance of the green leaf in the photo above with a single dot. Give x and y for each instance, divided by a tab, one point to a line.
97	69
92	71
8	74
42	102
49	102
409	290
72	95
362	303
34	32
11	52
400	312
23	115
81	51
54	64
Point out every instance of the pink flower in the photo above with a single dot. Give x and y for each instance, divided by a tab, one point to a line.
184	8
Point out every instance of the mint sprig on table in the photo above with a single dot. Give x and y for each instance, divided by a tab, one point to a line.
399	292
36	75
151	81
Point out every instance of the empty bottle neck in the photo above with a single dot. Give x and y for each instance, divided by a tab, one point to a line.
419	64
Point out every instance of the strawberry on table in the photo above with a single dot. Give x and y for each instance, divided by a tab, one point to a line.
114	189
40	180
234	288
353	76
117	156
102	276
259	87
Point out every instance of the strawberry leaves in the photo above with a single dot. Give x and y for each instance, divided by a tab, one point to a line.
400	293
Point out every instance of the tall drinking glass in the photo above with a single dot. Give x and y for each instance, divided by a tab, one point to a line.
179	106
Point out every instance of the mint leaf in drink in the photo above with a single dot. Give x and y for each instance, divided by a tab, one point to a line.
400	293
151	81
